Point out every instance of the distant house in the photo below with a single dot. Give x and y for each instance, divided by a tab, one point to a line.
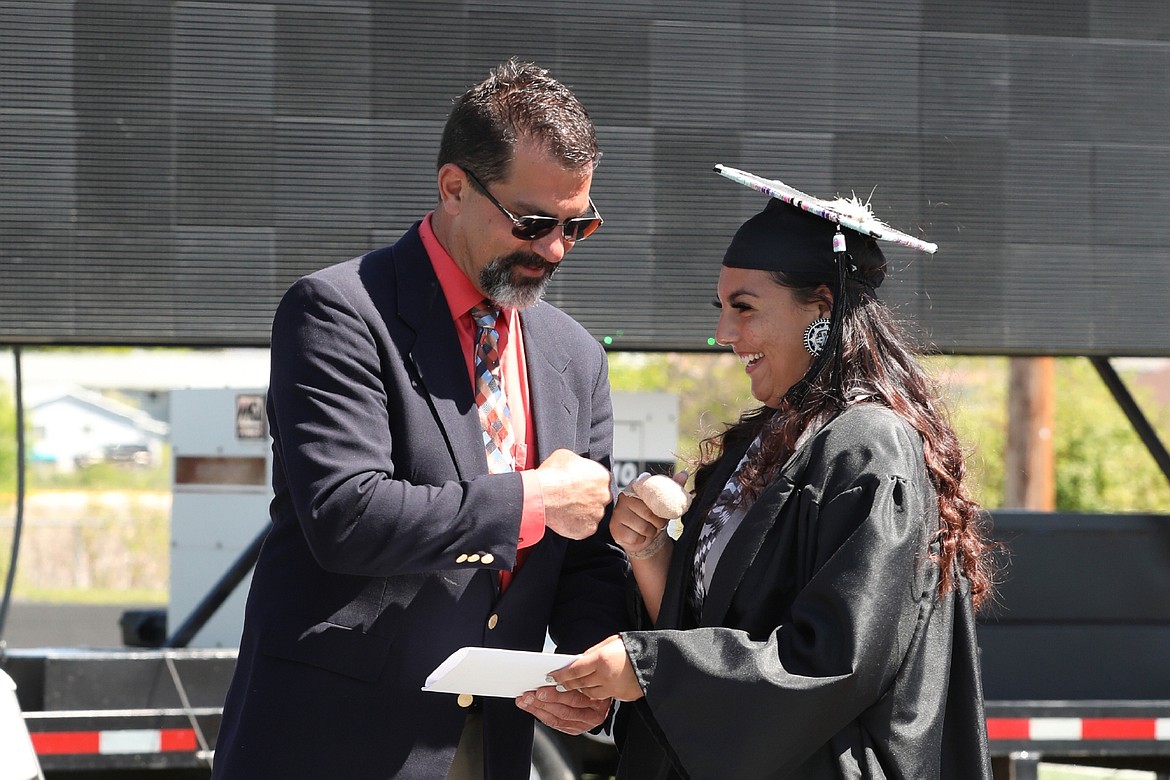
75	427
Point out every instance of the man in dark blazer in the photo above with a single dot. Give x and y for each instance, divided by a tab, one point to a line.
392	545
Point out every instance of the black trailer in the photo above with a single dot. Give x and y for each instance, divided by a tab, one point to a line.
1075	652
136	708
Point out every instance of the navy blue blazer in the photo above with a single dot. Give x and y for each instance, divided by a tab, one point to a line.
381	492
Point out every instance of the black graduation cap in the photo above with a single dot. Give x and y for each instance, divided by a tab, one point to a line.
799	243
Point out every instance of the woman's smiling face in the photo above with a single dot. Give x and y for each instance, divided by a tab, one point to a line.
764	324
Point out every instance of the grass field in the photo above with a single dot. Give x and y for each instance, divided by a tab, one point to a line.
90	547
1058	772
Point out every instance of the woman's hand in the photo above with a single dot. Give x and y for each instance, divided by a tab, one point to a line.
643	510
604	671
633	525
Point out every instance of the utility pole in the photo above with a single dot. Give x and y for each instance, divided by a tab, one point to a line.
1029	462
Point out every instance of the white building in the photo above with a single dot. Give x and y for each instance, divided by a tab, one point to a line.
71	419
75	426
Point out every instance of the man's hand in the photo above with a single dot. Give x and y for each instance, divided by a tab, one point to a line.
570	711
576	491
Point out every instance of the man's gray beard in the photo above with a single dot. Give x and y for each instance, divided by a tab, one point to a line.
497	282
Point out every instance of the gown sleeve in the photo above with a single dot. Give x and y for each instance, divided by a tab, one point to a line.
736	704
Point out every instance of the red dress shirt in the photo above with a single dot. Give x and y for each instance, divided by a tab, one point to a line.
461	296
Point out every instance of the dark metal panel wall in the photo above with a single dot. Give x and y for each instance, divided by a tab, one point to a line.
1083	611
168	168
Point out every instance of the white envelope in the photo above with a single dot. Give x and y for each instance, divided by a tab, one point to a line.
490	671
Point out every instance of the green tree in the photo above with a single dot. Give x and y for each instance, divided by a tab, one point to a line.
7	440
974	396
712	390
1101	464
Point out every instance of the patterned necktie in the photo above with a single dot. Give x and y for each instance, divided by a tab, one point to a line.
722	510
494	417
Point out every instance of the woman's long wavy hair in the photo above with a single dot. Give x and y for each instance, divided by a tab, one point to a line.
879	364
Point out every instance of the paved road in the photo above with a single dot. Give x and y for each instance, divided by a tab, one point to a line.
34	624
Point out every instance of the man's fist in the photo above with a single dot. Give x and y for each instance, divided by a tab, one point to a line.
576	491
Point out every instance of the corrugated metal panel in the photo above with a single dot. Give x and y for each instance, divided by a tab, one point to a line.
168	169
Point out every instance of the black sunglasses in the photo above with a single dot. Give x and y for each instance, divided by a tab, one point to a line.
531	228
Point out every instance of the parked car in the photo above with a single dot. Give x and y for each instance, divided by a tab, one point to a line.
122	454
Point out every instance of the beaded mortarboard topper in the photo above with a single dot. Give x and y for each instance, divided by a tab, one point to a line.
847	212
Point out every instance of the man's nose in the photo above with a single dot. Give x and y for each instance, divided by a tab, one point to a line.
553	247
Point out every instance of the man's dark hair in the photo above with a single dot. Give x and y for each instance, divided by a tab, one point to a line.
518	101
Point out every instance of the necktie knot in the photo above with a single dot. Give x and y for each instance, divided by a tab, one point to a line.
485	315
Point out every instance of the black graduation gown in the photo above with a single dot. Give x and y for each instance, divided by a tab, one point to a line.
823	649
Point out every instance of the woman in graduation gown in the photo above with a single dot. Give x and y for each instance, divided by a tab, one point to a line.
816	617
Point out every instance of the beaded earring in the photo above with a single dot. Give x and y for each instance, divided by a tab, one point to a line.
815	336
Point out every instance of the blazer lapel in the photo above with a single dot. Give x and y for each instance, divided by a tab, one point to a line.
553	402
437	356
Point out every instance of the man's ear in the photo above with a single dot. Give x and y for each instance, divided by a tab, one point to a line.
454	186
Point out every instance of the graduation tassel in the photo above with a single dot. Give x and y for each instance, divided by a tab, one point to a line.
836	342
833	353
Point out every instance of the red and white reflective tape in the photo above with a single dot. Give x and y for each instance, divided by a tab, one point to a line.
146	741
114	742
1078	729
